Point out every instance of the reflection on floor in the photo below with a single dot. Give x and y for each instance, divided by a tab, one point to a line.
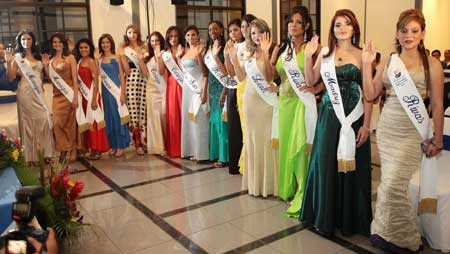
149	204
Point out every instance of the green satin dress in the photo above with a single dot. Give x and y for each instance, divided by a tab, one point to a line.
292	141
218	129
335	200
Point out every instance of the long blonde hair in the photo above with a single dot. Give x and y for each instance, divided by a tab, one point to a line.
262	26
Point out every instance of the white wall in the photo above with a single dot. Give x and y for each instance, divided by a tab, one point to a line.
164	16
437	17
106	18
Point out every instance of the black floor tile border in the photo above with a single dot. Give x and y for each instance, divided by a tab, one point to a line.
267	240
202	204
344	243
173	163
77	171
148	181
160	222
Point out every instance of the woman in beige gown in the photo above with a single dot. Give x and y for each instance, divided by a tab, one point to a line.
156	96
65	128
35	132
394	227
261	161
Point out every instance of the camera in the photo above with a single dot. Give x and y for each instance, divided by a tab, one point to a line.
15	242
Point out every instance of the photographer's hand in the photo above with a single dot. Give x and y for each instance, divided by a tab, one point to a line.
52	246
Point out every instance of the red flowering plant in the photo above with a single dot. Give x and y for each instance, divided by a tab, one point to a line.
64	192
10	151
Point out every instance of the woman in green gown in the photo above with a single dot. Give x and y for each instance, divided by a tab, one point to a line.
332	199
218	128
294	152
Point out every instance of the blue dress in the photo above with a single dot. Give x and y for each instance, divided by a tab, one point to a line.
118	135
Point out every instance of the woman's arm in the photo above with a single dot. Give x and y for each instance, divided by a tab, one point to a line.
93	66
437	107
372	86
74	73
124	60
122	84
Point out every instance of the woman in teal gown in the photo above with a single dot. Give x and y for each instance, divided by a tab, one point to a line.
338	200
218	129
294	153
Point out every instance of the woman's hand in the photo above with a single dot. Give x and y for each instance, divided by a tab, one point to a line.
363	135
157	51
223	97
94	105
369	53
216	48
199	48
312	46
75	102
273	88
266	42
226	50
45	59
433	149
9	55
204	97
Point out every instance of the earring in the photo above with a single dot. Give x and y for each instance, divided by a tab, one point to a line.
305	36
353	39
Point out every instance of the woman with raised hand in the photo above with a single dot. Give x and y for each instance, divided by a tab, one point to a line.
338	186
234	121
260	102
195	109
242	54
174	51
156	96
95	139
113	93
218	126
404	126
132	57
35	123
297	111
67	111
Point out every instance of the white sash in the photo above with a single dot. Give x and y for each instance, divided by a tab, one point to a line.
297	80
67	91
213	67
114	90
132	55
196	102
412	103
160	83
347	140
262	88
88	94
34	79
172	66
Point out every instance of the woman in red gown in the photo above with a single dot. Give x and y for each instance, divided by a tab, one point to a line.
95	139
174	41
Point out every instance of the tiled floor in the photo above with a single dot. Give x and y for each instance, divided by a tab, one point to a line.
149	204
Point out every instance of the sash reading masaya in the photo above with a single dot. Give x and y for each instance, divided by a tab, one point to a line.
411	101
34	79
297	80
67	91
347	140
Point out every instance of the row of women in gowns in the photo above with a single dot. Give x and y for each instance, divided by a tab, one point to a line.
319	192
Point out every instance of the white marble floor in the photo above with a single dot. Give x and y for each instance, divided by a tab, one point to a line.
149	204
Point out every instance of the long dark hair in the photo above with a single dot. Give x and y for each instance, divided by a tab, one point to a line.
332	40
59	36
110	39
34	46
236	22
406	17
306	19
126	41
191	27
210	42
180	36
248	18
77	48
151	51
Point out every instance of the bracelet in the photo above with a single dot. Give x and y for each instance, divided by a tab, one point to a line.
366	128
438	147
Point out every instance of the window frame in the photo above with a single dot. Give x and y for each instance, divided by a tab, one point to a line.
36	5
